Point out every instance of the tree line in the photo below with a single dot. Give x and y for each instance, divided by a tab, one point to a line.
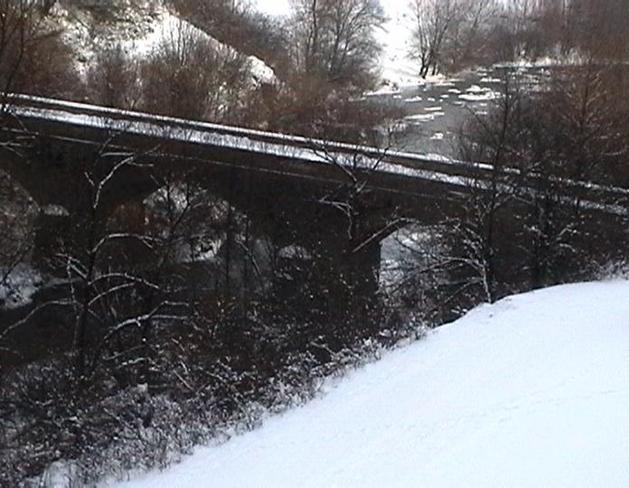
450	35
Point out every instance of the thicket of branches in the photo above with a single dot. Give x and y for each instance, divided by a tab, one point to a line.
168	320
33	57
549	158
530	222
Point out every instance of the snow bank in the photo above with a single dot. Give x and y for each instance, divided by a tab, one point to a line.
476	93
398	70
532	391
167	27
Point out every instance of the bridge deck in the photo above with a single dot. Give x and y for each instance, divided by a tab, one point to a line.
393	171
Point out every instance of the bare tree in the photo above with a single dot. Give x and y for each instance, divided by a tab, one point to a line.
488	140
577	137
450	35
434	20
334	39
600	27
549	152
15	32
33	57
113	79
466	44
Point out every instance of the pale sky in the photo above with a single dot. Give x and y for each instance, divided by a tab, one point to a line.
272	7
281	7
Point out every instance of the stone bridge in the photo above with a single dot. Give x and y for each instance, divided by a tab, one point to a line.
335	198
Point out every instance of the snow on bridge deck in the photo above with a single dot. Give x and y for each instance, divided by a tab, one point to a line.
255	141
297	149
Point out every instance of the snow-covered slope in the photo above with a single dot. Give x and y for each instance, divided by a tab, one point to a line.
398	69
532	391
137	27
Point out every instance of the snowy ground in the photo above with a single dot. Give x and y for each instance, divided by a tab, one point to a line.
532	391
18	286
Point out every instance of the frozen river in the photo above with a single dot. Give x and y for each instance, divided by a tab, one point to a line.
435	111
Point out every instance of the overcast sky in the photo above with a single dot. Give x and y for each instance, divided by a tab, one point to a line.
279	7
272	7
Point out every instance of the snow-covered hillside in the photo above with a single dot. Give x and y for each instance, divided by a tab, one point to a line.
137	27
532	391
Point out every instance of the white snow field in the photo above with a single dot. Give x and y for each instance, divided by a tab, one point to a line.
530	392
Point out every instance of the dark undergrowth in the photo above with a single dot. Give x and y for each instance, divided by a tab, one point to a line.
198	386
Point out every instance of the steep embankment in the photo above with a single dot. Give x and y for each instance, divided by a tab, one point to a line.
532	391
136	27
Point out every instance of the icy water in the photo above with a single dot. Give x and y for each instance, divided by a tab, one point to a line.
434	112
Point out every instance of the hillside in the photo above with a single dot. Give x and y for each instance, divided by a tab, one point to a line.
137	27
532	391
